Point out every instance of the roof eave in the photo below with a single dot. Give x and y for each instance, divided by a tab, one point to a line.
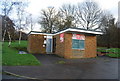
67	30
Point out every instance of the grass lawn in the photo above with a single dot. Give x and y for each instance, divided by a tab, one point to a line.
113	52
11	57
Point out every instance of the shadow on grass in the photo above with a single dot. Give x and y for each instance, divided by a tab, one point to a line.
20	49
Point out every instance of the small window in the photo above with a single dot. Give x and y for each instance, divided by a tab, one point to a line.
78	44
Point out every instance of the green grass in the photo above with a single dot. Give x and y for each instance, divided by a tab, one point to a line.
10	56
113	52
113	55
116	50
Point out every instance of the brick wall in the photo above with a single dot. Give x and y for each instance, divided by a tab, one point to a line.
68	45
65	49
59	46
35	44
90	46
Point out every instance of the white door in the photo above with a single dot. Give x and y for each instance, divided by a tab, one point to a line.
49	44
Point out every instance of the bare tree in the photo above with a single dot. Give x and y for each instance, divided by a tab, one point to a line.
20	21
68	15
105	21
29	21
47	19
109	28
89	15
7	6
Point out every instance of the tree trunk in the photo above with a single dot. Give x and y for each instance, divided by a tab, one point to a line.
108	40
4	36
9	39
20	37
5	30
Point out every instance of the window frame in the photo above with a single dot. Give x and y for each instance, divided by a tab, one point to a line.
79	44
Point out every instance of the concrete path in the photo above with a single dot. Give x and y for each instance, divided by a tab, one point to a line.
93	68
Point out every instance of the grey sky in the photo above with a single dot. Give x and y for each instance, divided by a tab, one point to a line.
35	6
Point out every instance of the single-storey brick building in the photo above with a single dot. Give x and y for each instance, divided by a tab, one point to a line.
68	43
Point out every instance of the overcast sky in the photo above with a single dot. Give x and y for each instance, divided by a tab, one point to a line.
35	6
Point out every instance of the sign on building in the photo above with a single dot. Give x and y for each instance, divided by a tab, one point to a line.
62	37
78	36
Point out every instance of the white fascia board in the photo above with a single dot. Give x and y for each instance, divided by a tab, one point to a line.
41	33
61	31
69	29
84	31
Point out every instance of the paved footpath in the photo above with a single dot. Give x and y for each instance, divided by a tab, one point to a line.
93	68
